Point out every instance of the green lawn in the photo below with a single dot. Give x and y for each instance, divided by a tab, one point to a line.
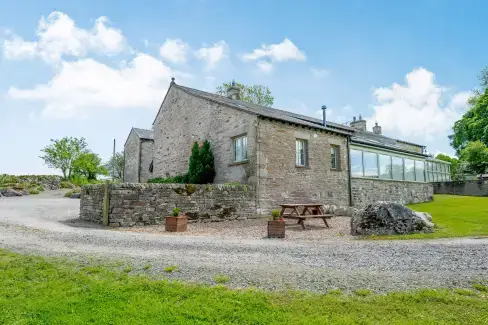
455	216
35	290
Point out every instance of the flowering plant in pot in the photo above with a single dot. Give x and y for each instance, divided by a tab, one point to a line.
177	222
276	227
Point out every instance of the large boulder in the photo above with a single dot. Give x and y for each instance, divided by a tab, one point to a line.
75	196
385	218
10	192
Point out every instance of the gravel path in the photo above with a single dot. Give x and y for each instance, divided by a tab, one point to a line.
47	225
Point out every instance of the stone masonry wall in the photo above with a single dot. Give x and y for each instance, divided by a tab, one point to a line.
147	204
469	188
146	159
184	119
131	154
281	181
366	191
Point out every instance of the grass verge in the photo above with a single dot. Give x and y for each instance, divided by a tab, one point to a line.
35	290
454	216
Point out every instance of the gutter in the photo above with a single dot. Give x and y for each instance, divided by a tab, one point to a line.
349	171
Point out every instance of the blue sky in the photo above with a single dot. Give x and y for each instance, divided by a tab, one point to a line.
97	68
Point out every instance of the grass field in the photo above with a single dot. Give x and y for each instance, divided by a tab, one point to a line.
35	290
455	216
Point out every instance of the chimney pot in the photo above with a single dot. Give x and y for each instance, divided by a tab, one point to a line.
233	91
377	129
324	121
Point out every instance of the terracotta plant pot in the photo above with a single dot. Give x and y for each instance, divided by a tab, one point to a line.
176	224
276	229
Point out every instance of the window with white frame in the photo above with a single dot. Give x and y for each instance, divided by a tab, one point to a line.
334	157
301	152
240	148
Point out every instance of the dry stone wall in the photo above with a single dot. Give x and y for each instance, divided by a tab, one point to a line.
366	191
148	204
470	188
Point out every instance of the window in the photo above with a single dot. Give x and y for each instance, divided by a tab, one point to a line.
397	168
370	160
419	171
409	170
334	157
240	149
356	163
438	172
301	153
385	166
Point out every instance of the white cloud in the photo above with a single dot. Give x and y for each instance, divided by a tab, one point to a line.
265	66
214	54
418	109
284	51
58	35
86	85
174	50
320	73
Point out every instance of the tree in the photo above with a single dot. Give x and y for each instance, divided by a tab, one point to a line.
456	166
255	94
61	154
473	126
195	167
89	165
207	158
115	165
201	168
475	154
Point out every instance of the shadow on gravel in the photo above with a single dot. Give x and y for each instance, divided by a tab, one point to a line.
77	223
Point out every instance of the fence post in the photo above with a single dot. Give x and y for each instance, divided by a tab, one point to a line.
106	204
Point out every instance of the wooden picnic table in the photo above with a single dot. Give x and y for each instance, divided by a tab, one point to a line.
302	212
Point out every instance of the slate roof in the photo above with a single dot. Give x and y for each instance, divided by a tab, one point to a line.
144	134
282	115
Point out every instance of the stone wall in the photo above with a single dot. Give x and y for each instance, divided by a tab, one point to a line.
146	158
281	181
365	191
148	204
184	119
131	155
469	188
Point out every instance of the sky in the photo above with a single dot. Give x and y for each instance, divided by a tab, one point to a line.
94	69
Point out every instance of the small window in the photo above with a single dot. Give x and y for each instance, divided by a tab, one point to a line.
334	157
301	153
240	149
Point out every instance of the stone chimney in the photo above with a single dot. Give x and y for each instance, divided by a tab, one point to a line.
377	129
233	92
358	124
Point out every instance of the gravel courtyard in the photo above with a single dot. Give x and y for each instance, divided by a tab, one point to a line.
318	259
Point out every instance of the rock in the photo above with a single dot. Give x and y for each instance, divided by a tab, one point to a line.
384	218
326	208
75	196
332	209
11	193
25	192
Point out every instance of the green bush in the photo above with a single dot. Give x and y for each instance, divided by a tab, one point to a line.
33	191
201	169
178	179
79	180
175	212
73	191
65	184
275	214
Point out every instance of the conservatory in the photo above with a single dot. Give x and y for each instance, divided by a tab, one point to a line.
369	162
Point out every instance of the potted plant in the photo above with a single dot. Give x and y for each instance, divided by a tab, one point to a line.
276	227
177	222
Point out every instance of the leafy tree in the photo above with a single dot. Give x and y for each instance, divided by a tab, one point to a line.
62	153
195	167
89	165
473	126
115	165
201	168
255	94
456	166
207	158
475	154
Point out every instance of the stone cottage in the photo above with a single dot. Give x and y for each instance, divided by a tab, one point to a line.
286	157
138	156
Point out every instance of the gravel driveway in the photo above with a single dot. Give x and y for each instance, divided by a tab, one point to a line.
47	225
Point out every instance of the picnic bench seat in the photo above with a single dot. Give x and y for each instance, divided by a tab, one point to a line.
308	211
